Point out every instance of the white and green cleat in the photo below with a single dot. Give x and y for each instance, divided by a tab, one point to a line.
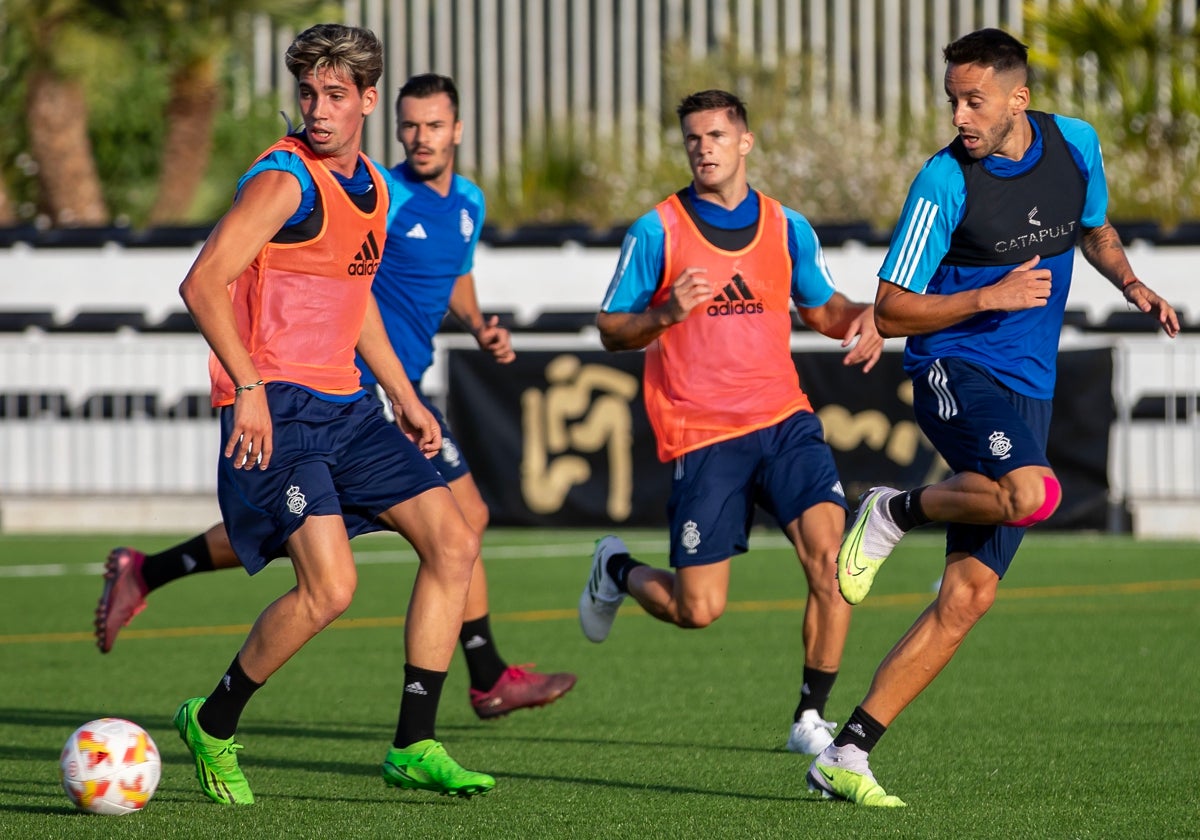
869	542
843	773
601	596
810	734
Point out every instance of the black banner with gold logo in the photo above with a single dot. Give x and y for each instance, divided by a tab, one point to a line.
562	438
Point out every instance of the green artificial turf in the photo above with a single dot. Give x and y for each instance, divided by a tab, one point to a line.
1070	711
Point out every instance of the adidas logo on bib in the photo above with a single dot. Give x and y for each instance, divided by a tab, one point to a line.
735	299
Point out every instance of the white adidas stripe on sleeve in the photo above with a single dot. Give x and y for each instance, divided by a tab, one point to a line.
916	234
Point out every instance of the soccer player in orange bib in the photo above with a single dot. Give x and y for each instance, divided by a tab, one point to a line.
434	223
704	283
282	293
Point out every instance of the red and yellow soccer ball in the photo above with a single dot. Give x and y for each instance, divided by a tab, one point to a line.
110	766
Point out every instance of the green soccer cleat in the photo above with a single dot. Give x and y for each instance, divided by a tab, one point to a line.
425	765
843	773
216	760
867	544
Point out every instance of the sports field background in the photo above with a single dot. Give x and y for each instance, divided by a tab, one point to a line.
1071	710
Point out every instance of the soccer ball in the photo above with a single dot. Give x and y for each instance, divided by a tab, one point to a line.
110	766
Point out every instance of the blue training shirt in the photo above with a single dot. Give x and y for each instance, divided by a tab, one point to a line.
643	255
430	244
357	184
1017	347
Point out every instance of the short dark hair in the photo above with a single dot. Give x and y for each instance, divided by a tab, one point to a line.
993	48
713	100
349	51
425	85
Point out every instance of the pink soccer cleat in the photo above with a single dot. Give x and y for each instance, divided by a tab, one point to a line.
124	595
519	688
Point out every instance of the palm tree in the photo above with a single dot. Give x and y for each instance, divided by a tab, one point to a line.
56	110
8	214
67	42
1135	50
1129	65
197	39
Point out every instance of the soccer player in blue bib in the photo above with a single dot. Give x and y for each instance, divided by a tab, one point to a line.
977	277
434	222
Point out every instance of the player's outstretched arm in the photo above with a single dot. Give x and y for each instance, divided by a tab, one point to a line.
1102	248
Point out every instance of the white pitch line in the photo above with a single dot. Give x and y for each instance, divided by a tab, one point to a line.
578	551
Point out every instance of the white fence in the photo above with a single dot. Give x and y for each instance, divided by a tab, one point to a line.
529	70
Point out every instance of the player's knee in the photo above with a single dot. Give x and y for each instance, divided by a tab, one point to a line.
327	602
820	569
469	549
961	607
339	599
455	555
477	516
462	551
694	616
1032	504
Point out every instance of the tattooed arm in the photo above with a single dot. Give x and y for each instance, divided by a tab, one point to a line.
1101	247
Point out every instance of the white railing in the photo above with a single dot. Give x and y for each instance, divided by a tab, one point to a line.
72	443
74	438
1156	440
70	439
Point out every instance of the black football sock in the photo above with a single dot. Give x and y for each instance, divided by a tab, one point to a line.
221	711
418	705
862	730
815	691
187	558
619	566
483	660
906	510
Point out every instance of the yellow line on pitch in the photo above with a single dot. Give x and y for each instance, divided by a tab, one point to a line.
1138	588
1014	594
783	605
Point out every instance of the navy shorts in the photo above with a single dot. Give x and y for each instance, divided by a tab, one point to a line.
786	469
980	425
449	461
329	458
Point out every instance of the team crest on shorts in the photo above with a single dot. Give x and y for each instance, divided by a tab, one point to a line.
296	503
1000	445
690	538
450	452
